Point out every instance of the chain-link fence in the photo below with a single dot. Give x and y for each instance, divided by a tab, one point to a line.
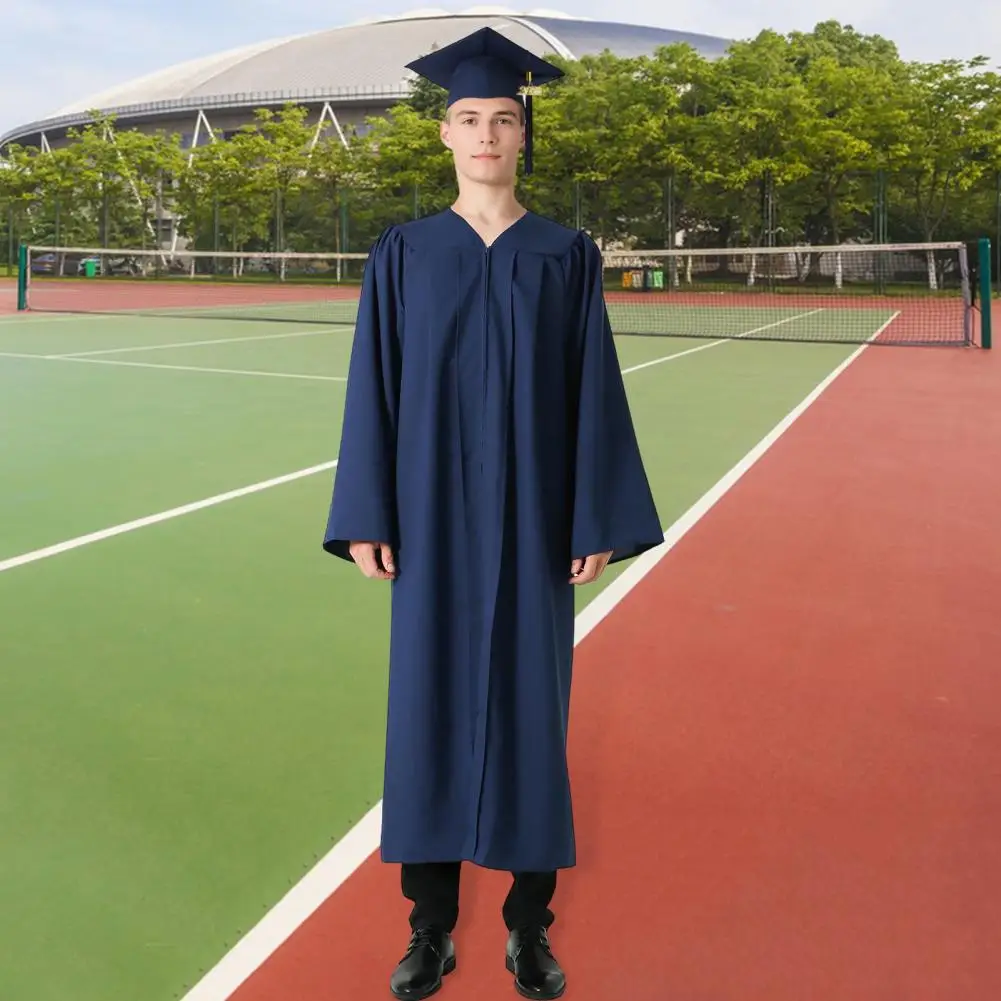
655	212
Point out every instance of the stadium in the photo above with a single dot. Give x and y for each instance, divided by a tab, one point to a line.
342	75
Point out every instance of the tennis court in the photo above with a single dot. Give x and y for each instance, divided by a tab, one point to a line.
193	693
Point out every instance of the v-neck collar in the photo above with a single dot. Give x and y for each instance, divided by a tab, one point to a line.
483	243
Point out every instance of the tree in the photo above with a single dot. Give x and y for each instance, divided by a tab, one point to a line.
332	171
845	46
58	179
753	135
677	82
427	99
279	145
404	164
591	136
18	191
148	162
223	190
102	197
948	139
855	82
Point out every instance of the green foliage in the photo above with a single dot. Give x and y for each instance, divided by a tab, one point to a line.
806	137
427	99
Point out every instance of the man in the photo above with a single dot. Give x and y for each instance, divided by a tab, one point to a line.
488	463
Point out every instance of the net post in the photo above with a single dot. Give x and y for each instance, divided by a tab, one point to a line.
22	277
984	271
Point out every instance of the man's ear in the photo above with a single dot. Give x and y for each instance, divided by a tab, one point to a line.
443	131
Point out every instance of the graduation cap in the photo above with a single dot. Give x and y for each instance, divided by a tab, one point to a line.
486	64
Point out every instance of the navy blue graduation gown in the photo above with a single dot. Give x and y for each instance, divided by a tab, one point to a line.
487	439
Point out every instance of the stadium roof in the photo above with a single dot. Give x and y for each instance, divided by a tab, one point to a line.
357	62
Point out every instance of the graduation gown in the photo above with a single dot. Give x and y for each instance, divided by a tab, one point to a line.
487	439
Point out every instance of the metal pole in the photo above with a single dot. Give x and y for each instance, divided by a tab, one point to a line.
985	292
22	277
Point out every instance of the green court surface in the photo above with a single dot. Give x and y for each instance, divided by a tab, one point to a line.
191	712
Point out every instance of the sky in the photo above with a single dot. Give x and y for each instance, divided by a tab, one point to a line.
57	51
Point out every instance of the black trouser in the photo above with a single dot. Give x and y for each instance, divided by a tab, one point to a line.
434	889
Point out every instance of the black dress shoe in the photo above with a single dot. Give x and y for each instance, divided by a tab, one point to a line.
530	959
429	956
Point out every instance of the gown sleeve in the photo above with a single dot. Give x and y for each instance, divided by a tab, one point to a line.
363	505
613	505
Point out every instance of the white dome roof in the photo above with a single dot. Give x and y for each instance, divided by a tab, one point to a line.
363	61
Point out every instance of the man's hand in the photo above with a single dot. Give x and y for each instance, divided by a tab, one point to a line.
590	569
374	559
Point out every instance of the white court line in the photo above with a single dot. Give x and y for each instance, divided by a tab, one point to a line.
153	519
362	841
86	357
180	368
188	313
29	318
725	340
677	354
199	368
189	344
882	326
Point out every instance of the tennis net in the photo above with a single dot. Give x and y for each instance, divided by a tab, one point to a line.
905	294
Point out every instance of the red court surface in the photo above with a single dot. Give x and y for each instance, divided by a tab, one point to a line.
785	743
8	296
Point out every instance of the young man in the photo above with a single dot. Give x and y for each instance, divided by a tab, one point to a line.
488	464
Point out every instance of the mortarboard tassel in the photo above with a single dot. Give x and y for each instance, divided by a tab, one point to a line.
528	125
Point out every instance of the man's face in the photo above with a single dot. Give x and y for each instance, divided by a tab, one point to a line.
485	137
